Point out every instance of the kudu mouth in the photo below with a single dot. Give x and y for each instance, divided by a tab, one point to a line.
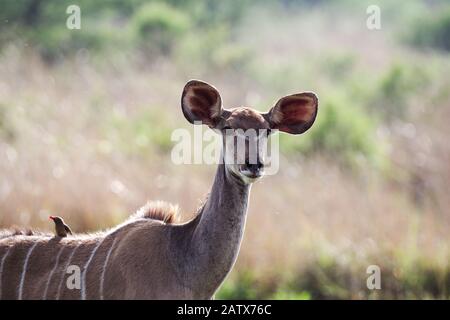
252	171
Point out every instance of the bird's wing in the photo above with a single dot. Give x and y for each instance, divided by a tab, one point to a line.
66	227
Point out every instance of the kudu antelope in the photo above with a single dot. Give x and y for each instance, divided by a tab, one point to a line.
150	256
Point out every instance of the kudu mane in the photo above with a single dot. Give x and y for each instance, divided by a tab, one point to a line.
158	210
18	231
154	210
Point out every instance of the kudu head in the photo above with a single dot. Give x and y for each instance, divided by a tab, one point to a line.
245	130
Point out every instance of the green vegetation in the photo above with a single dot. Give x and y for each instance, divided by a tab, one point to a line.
6	128
397	87
403	276
142	133
432	31
159	25
343	131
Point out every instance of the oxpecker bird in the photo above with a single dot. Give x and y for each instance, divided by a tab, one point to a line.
61	228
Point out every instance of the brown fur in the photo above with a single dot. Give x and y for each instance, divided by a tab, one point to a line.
45	266
158	210
45	275
245	118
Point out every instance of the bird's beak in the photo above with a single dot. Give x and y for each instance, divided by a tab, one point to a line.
51	217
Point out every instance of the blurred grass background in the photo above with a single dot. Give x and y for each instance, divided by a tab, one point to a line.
86	118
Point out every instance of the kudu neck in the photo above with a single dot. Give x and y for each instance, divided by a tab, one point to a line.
207	247
227	192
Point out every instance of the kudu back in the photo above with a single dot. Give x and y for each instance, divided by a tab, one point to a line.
151	255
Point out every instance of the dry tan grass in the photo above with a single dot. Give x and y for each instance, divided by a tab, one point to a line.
60	162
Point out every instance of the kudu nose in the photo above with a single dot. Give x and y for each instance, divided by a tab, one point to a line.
255	168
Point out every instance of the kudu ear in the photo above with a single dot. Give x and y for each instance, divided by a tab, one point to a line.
201	102
294	114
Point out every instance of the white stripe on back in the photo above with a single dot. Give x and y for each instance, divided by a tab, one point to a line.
102	277
64	271
24	270
1	269
86	266
51	273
